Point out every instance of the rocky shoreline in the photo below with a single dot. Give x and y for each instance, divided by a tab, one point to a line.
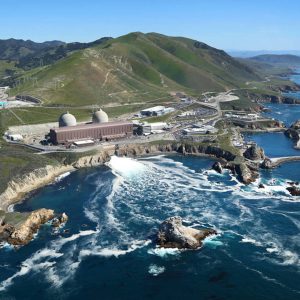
19	187
294	133
244	168
21	231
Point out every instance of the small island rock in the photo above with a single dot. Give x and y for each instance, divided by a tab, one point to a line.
172	234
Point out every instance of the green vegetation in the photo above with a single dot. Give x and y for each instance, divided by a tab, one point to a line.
135	68
16	161
35	115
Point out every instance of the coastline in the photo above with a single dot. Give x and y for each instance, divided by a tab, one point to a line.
18	188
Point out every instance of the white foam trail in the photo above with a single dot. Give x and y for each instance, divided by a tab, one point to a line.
62	176
126	167
164	252
40	260
156	270
108	252
251	241
213	242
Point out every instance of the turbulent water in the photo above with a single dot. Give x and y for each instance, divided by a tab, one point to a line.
115	210
105	251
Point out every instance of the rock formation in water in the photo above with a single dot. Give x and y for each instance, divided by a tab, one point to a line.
172	234
59	220
246	173
266	164
294	133
22	232
254	153
217	166
294	189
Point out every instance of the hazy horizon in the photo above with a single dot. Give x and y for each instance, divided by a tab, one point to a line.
224	24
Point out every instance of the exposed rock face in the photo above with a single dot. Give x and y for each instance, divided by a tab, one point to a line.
254	153
33	180
266	164
294	133
245	173
23	234
217	166
294	191
59	220
293	188
172	234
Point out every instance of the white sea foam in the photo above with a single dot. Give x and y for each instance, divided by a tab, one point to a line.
156	270
251	241
213	242
62	176
126	167
164	252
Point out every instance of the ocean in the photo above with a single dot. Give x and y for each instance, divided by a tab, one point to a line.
106	249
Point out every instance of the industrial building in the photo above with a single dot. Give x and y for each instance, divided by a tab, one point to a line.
99	129
149	128
156	111
204	129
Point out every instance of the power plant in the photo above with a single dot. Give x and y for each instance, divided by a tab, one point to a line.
98	130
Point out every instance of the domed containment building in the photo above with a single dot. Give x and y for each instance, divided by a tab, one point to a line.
66	119
100	129
100	116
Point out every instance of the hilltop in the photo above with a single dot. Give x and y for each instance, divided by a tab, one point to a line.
277	59
134	68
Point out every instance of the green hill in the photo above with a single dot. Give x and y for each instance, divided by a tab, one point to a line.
135	68
277	59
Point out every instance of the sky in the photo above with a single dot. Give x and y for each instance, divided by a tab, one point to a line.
224	24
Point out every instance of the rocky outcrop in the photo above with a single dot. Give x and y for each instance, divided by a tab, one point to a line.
21	232
273	98
217	166
94	160
294	133
254	153
172	234
59	220
294	190
267	163
246	173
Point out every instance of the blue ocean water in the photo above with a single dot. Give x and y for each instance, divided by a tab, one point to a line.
296	79
107	252
277	144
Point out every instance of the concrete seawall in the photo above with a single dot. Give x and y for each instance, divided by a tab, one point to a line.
280	160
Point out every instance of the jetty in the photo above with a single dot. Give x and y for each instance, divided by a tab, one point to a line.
276	161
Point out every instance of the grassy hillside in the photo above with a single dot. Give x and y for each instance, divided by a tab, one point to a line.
135	68
278	59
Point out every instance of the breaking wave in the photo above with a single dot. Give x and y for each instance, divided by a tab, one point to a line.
128	201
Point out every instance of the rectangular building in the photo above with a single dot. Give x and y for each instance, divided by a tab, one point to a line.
153	111
92	131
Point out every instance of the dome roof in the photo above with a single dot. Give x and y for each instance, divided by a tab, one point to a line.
66	119
100	116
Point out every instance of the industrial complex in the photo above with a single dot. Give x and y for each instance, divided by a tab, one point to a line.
98	130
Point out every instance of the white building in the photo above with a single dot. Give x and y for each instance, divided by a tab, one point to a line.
156	111
153	111
205	129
